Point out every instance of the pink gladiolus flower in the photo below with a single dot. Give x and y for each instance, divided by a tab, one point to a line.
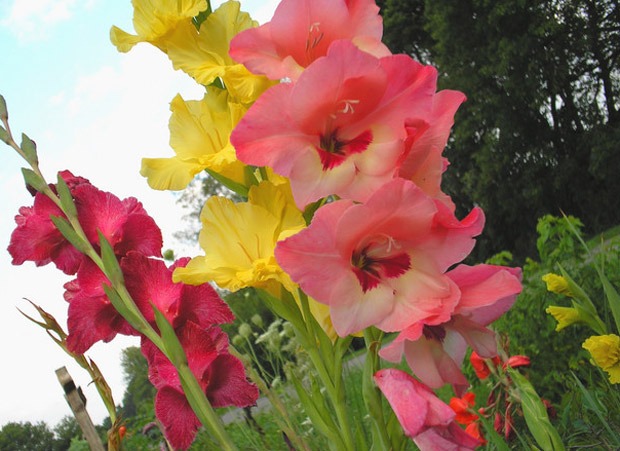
423	416
219	374
423	162
340	127
381	263
302	31
435	352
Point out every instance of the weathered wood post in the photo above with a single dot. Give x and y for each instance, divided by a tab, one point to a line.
78	406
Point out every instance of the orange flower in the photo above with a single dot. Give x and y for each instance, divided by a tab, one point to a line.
464	408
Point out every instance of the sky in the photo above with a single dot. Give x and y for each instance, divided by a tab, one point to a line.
95	112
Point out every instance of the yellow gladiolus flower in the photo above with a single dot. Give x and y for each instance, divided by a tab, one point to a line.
565	316
154	20
204	56
200	136
239	240
557	284
605	351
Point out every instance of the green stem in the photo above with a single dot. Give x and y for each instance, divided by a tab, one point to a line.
372	397
203	409
332	382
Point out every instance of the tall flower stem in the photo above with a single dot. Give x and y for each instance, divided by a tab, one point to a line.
327	359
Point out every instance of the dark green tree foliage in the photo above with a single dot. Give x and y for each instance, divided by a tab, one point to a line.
140	393
26	437
538	132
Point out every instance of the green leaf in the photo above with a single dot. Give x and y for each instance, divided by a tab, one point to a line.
122	308
29	148
228	183
320	419
4	113
34	180
66	229
535	414
613	299
174	350
66	198
285	308
202	16
110	262
4	135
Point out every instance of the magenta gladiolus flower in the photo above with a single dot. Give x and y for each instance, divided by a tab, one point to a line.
149	281
219	374
91	317
37	239
383	262
423	416
302	31
435	352
340	128
124	223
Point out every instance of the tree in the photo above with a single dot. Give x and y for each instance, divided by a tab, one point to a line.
538	132
26	437
139	395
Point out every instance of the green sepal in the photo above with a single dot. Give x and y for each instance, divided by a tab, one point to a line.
112	269
578	293
309	211
4	135
34	180
535	414
285	308
65	228
202	16
29	148
66	198
613	299
129	315
174	350
228	183
4	113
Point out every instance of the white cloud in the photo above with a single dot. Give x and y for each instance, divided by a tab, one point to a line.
31	19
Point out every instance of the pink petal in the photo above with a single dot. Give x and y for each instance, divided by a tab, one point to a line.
446	438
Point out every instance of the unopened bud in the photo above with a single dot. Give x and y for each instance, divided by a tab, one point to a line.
4	114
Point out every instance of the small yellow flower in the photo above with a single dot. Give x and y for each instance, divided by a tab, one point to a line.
154	20
557	284
605	351
565	316
200	136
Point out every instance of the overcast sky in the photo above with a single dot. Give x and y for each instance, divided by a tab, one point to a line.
96	112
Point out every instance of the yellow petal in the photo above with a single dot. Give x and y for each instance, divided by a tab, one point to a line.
556	284
204	54
169	173
154	19
605	350
565	316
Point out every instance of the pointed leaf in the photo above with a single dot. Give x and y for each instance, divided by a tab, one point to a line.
174	349
110	262
613	299
34	180
66	198
535	414
228	183
69	233
4	135
122	308
29	148
4	113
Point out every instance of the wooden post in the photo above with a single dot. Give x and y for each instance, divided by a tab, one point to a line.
77	402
